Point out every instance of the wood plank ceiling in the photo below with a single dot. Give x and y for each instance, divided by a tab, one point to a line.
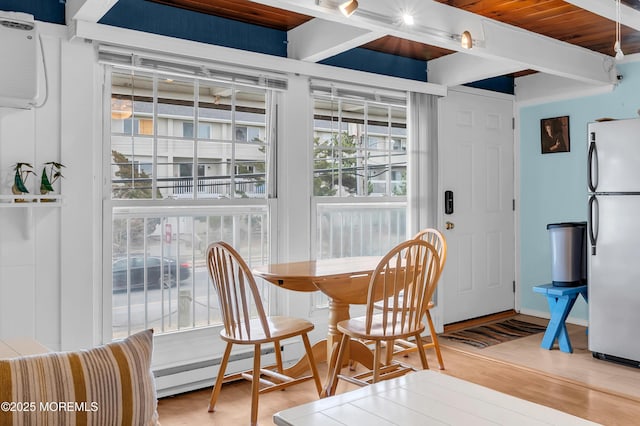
553	18
243	11
556	19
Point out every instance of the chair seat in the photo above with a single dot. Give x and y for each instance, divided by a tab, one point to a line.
356	328
280	327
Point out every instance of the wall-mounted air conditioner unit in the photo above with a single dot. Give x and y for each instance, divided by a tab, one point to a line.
18	60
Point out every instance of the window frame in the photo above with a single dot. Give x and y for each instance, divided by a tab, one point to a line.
185	206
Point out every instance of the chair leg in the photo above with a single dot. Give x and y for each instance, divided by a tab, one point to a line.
255	385
312	363
216	388
421	351
376	361
278	353
337	365
389	352
331	363
434	339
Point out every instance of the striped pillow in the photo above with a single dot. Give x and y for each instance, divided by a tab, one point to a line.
107	385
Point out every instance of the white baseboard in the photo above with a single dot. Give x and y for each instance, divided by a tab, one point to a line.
547	315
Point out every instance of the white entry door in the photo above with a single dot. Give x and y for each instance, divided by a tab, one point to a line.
476	161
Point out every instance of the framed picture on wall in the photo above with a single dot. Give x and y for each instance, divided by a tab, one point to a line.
554	135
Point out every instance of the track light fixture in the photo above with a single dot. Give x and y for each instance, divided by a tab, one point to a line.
466	41
348	7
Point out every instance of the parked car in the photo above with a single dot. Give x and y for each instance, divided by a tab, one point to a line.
160	270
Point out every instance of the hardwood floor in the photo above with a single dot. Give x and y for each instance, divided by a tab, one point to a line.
591	403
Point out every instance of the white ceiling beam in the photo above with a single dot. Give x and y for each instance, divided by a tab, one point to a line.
541	88
460	68
437	24
607	9
318	39
87	10
548	55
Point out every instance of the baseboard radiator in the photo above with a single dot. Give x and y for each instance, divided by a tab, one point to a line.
202	374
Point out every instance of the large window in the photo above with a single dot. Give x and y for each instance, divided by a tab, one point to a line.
188	163
359	175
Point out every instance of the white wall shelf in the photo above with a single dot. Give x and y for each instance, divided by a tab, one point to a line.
30	200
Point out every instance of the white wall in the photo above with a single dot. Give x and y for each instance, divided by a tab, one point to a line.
47	271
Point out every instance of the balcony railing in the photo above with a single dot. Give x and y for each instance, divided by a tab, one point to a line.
359	229
251	186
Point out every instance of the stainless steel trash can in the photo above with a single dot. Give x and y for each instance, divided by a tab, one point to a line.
568	253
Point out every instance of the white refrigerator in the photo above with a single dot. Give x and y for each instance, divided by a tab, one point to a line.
614	240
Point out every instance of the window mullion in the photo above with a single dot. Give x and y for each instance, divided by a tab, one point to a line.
196	186
154	155
340	151
232	166
364	147
196	136
389	153
146	278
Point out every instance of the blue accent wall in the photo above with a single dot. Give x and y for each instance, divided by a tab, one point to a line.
42	10
502	84
379	63
553	187
185	24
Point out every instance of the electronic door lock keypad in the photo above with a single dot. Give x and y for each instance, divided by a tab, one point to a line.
448	202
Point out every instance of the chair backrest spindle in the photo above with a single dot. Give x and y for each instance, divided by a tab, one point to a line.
435	238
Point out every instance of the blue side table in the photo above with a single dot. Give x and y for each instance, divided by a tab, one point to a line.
560	300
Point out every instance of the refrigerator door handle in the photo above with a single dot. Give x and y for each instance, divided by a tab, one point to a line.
592	164
593	223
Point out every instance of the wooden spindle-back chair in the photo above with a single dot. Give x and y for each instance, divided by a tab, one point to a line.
246	323
411	268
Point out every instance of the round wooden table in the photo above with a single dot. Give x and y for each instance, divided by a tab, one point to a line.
344	280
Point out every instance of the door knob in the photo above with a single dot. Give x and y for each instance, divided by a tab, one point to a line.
449	225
